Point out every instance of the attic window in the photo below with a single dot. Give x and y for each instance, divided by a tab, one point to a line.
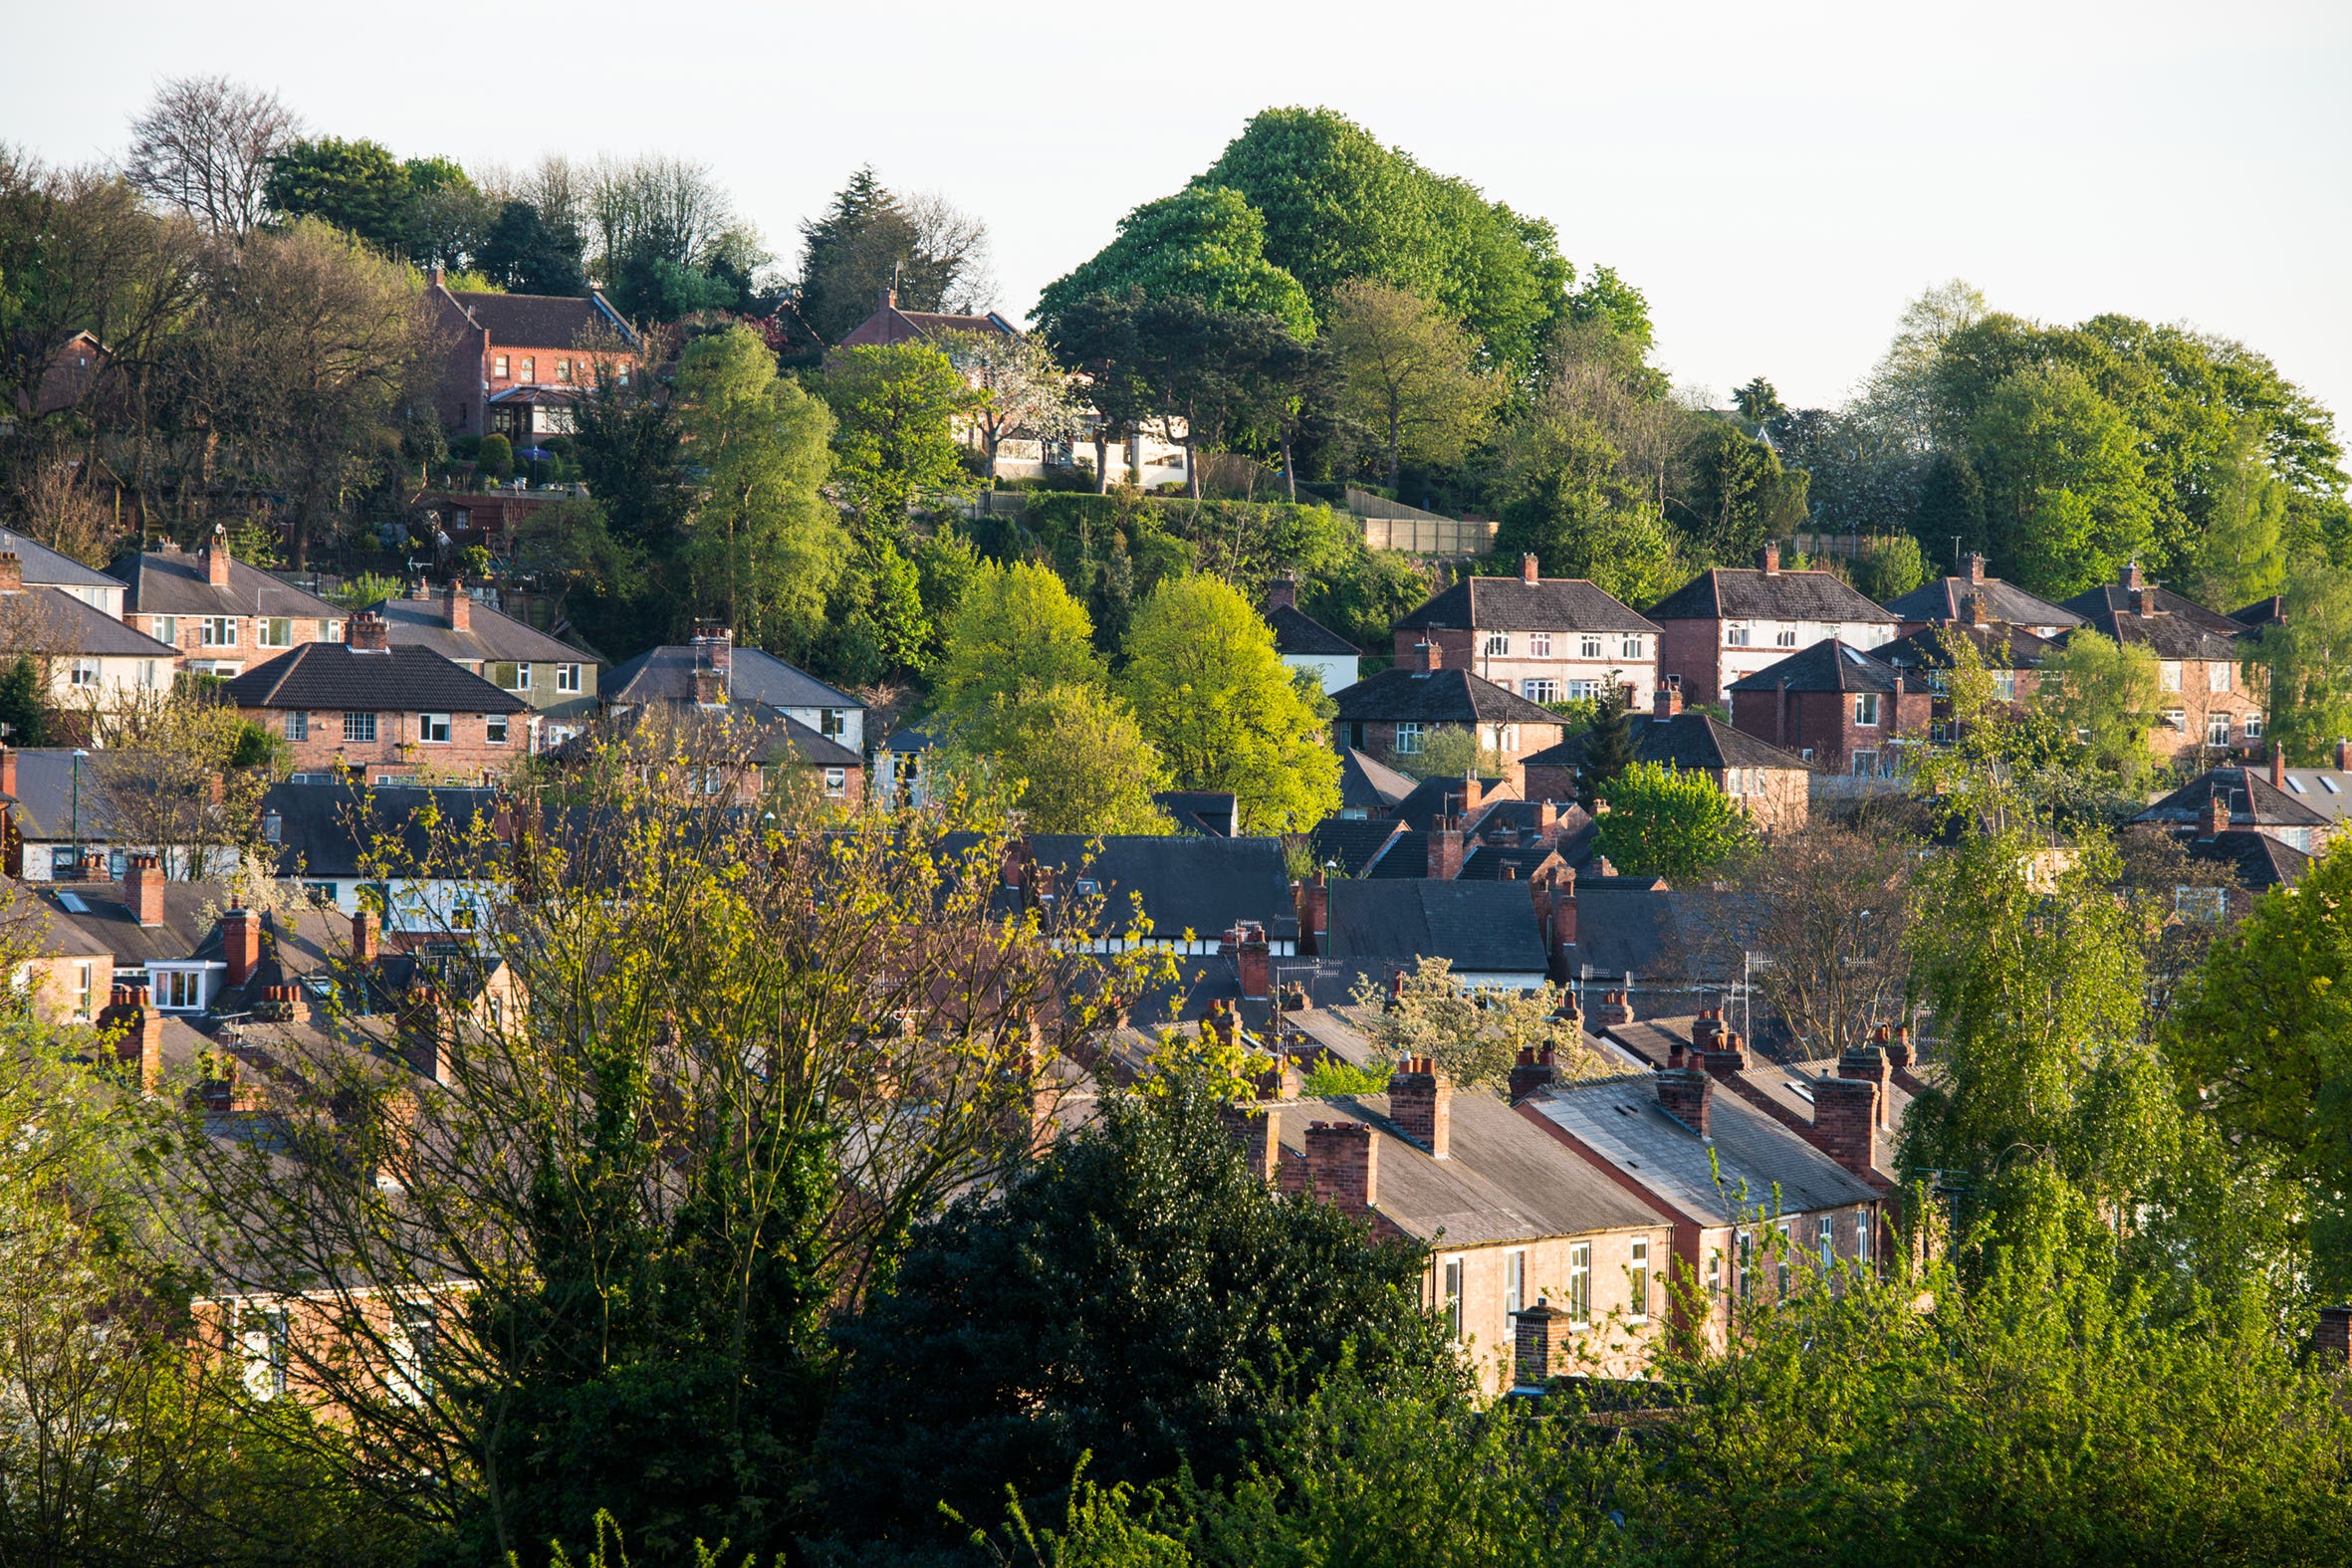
270	825
1088	887
1804	1091
2296	785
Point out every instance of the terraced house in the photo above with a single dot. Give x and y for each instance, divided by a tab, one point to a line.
1546	639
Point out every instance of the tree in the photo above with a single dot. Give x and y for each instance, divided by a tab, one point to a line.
1474	1036
898	410
204	145
1096	334
1204	244
1218	702
1016	626
1828	909
174	771
1022	390
528	252
1608	746
1139	1294
1410	375
23	702
2304	661
1951	512
1662	821
2241	557
1739	496
358	186
57	508
765	547
1451	752
922	249
1070	758
1758	402
2107	696
2063	486
1570	510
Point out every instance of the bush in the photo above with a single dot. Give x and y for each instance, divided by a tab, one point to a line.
468	448
1888	567
497	456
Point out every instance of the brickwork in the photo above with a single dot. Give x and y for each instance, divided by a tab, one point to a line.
395	751
1691	652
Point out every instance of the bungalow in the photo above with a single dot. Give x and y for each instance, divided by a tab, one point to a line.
1730	623
223	616
1393	713
1548	639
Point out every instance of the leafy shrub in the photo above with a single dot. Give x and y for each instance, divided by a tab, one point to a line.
497	456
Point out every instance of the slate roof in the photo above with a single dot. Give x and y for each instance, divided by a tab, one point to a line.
1687	741
2252	801
1188	883
1350	841
1483	927
1514	604
666	674
1748	1165
324	829
1368	784
51	621
1749	593
2261	612
2000	648
337	676
542	320
1210	811
45	568
1947	599
1438	696
1790	1086
1504	1178
1295	632
914	738
1830	665
2103	605
1638	927
2328	790
890	324
104	917
494	637
170	582
2255	860
736	733
1443	797
45	795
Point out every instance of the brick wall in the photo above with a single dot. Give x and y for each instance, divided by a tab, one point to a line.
1380	742
468	754
1689	650
248	653
1611	1343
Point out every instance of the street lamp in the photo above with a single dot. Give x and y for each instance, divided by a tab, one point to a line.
78	754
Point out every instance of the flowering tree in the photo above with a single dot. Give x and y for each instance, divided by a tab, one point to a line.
1023	390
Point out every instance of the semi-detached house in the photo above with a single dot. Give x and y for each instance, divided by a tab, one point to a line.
1730	623
222	615
558	680
1546	639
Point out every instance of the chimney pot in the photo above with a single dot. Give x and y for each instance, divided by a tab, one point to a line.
367	633
1686	1096
1428	655
1534	1072
1668	700
216	559
1976	570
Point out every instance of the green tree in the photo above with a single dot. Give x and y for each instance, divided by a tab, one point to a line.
2107	696
1739	496
2064	490
358	186
1216	699
1071	756
496	456
1409	375
2241	555
22	703
1889	567
2308	663
870	239
1758	402
1950	517
1608	744
1662	821
1204	244
901	410
1016	626
529	252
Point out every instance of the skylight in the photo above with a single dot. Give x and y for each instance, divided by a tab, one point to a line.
2329	784
74	904
2296	785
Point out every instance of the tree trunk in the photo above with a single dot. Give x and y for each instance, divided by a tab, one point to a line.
1289	471
1395	448
1192	468
1101	463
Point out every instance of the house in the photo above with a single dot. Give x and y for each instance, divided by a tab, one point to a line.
84	659
1731	623
1305	643
1456	829
52	814
39	567
1491	932
2253	800
1836	706
2207	704
517	362
223	616
1628	942
1216	813
904	765
712	669
1753	1206
1519	1226
2012	656
1393	713
363	709
1548	639
1945	601
558	680
732	752
342	846
1771	785
2326	791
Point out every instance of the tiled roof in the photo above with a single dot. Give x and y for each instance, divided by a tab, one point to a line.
1210	811
1444	796
493	637
1747	594
1515	605
45	794
1483	927
2261	612
2103	604
890	324
1830	665
666	674
1686	741
327	829
2258	861
1297	633
1369	785
172	582
1947	599
99	911
1187	883
51	621
2000	648
2328	790
45	568
1653	934
2252	801
736	733
542	320
335	676
1351	842
1439	696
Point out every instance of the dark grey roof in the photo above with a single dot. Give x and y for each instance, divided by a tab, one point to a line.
170	582
2328	790
914	738
2261	612
1368	784
99	911
337	676
1689	741
493	635
1483	927
1443	797
2257	860
1641	930
1514	604
1736	594
2251	802
2000	648
1187	883
45	795
1830	665
51	621
1504	1178
666	674
735	733
542	320
324	829
45	568
1436	697
2109	602
1350	841
2176	629
1297	632
1749	1168
1212	811
1947	599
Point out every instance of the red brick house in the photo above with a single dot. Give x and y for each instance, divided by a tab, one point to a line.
2012	657
365	710
224	617
1393	713
1835	707
1549	639
1945	601
517	362
1771	785
2207	707
1728	625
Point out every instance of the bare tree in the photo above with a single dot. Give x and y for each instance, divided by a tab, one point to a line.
952	248
1023	391
57	504
204	146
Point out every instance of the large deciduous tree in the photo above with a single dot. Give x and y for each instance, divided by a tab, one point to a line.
2307	660
901	410
203	145
1662	821
1016	625
1068	757
2063	481
1410	375
1022	390
1203	243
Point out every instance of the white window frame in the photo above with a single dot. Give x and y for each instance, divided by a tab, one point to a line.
1637	1280
2004	685
836	781
434	729
274	632
297	725
1736	635
1498	644
566	677
1450	1271
359	729
1514	1283
494	728
164	628
1632	647
409	1378
499	367
1540	689
2168	673
219	632
832	723
262	1334
1588	645
2254	725
1862	1228
2217	675
1580	1283
2176	719
2217	729
177	989
1785	637
1829	1242
86	672
1866	710
1539	644
1408	737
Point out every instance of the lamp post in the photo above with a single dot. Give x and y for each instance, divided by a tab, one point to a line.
78	754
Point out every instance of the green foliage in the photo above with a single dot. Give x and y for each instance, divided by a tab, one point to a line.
2241	555
1662	821
1204	244
1016	626
358	186
528	252
1569	507
900	410
2307	662
23	699
870	238
2106	695
1329	1078
1889	567
1069	755
1450	753
496	456
2063	478
1608	746
1409	375
1739	496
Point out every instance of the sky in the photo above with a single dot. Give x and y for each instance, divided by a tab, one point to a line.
1779	179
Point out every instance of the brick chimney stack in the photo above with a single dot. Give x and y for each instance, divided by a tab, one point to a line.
710	689
141	1039
2343	759
364	937
1868	1065
1260	1129
1528	573
367	633
1421	1103
1539	1345
1312	902
1976	571
1845	1122
12	572
1723	1056
1977	612
1536	1069
240	931
1564	910
1344	1165
1616	1006
216	559
1427	656
2214	820
1254	958
1686	1096
1668	702
1771	560
2277	766
1282	593
144	887
1445	848
2130	578
458	605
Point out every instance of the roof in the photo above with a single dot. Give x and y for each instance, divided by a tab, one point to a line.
172	582
2256	861
542	320
736	733
335	675
1350	844
45	568
2251	802
325	829
1187	883
493	637
2261	612
1690	741
1830	665
1750	1165
1438	696
1300	635
1790	1086
52	620
890	324
1212	811
100	912
1481	927
1747	594
666	674
45	794
1445	795
2006	647
2102	605
2328	790
1631	927
1504	1180
1368	784
1947	599
1514	604
914	738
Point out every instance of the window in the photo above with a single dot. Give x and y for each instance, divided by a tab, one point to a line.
2217	729
2254	725
321	894
1715	1271
2199	903
1942	734
1862	1238
511	677
164	628
330	632
220	631
1588	645
1632	649
494	728
2004	685
1746	1245
1408	738
1828	1243
1539	644
1514	1283
2216	676
1637	1280
412	1379
498	367
359	727
86	672
1866	710
1580	1283
834	723
261	1334
2169	671
85	984
179	989
1543	691
298	727
1498	642
1585	691
2176	719
1866	765
528	368
837	780
433	727
1781	1264
562	369
1454	1299
1507	737
712	780
146	674
276	632
1785	637
566	677
1735	635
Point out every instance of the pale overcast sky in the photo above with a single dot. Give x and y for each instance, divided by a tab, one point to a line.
1779	178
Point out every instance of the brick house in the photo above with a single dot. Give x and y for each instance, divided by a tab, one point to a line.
223	616
1947	601
1730	623
39	567
1547	639
84	659
363	709
558	680
1392	714
2206	706
2011	655
517	362
711	668
1835	707
1771	785
732	751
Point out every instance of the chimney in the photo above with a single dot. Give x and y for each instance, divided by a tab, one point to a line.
1260	1129
1427	655
1977	614
714	647
1898	1050
1313	901
2334	1342
367	633
141	1039
144	890
2130	578
1474	793
1344	1165
1616	1008
886	299
1282	593
1253	957
1706	1031
1547	819
1845	1122
1421	1103
1976	571
438	282
1868	1065
1686	1096
1536	1070
2343	765
1539	1345
1668	702
1281	1080
240	931
1563	913
1723	1056
1771	560
8	771
2277	766
710	689
2214	820
1444	849
458	605
12	572
216	559
364	937
1527	571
